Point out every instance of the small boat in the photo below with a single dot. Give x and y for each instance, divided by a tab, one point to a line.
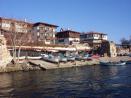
128	62
79	58
129	55
95	56
87	57
50	58
112	63
70	58
62	58
34	58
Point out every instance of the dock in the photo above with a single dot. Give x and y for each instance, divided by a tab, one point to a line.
48	65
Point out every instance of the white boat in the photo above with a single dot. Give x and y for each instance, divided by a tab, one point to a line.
85	57
35	58
28	57
50	58
112	63
62	58
70	58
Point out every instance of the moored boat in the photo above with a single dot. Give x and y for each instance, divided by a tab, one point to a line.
129	55
70	58
50	58
112	63
128	62
62	58
95	56
87	57
79	58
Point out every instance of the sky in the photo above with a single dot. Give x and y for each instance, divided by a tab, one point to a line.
112	17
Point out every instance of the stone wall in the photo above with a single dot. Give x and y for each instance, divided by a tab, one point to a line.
5	56
113	51
108	48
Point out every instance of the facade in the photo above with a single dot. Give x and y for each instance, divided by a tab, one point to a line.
44	33
68	37
15	25
36	32
123	49
10	26
94	39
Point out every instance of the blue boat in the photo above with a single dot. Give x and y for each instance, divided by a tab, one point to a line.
112	63
128	62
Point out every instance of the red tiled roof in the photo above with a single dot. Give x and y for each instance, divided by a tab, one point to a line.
38	23
95	33
11	19
68	31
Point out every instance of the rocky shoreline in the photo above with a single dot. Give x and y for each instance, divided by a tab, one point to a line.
26	66
19	67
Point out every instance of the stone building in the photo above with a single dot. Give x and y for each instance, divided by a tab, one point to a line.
108	48
11	27
68	37
37	32
44	33
94	39
5	57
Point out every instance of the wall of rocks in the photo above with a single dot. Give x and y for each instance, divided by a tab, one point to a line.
5	56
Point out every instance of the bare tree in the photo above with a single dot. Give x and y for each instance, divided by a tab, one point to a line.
22	40
18	39
124	41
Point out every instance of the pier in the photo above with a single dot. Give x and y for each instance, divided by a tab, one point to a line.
47	65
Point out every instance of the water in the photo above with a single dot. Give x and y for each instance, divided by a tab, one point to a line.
89	82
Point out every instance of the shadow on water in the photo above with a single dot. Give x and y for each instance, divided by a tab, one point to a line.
87	81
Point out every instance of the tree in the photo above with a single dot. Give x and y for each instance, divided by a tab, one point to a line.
17	39
125	42
21	40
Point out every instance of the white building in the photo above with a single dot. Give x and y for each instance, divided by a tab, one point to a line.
93	38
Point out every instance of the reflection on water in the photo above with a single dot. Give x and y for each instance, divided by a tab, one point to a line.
89	81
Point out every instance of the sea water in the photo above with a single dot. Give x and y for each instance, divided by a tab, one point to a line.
88	81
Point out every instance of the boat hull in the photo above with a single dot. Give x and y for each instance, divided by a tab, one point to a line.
112	63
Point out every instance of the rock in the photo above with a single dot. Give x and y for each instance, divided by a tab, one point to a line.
5	56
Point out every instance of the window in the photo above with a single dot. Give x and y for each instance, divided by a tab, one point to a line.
41	28
61	40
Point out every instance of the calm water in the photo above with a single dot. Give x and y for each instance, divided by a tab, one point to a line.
89	81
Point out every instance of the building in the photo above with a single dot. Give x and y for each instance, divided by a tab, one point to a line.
9	27
44	33
94	39
37	33
123	49
68	37
15	25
